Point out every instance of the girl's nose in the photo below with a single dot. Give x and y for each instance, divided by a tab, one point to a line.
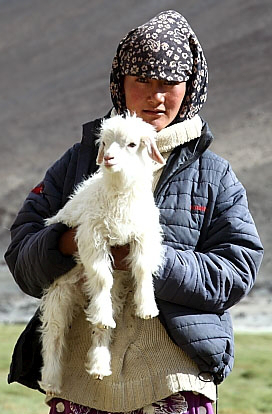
157	96
157	93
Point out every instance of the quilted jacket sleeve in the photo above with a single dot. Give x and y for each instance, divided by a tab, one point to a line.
223	268
33	257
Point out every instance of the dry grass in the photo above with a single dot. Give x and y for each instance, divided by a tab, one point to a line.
248	390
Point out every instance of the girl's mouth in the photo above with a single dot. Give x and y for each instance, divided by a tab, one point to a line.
154	112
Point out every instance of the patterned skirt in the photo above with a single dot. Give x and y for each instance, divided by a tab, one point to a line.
186	402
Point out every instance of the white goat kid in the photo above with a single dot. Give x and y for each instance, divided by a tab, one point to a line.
113	207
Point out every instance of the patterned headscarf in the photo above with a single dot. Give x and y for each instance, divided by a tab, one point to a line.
163	48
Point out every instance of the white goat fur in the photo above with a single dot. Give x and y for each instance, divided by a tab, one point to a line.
115	206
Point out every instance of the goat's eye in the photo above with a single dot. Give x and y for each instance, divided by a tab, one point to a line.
131	145
103	143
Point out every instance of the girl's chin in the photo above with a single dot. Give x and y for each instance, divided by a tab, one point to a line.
159	124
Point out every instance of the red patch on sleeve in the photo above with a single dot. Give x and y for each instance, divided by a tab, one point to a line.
198	208
38	189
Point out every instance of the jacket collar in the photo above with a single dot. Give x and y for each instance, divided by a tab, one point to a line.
184	155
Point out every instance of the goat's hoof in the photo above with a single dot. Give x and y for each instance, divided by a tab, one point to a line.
98	377
148	314
50	390
102	326
102	323
98	370
50	393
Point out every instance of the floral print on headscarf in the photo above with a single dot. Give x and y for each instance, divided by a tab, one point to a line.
163	48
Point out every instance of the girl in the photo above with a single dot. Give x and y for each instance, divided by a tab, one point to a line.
171	363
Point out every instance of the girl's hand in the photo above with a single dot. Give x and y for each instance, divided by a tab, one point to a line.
67	244
68	247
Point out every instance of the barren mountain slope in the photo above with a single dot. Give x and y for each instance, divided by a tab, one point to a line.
55	60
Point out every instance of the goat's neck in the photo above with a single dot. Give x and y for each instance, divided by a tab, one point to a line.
123	183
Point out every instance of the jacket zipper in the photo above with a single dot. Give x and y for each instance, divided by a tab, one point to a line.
161	185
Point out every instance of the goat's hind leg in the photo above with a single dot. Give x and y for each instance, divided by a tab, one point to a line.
56	315
99	358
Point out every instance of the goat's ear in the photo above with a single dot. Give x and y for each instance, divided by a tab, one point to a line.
152	149
100	155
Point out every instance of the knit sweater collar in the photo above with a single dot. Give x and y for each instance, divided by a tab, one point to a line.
178	134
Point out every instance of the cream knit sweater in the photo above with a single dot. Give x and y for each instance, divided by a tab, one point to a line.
146	365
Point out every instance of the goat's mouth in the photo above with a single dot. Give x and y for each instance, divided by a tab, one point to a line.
109	163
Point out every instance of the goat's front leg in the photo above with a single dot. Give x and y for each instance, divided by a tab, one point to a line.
70	214
99	358
98	284
144	296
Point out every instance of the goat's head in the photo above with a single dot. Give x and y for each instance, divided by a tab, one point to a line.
126	142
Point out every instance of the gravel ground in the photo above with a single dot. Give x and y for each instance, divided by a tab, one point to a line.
252	314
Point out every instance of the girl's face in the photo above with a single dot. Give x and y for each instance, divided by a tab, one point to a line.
157	102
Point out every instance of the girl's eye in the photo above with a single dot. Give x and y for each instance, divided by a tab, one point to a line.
171	83
132	145
142	80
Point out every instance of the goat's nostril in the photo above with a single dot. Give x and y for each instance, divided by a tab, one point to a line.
108	157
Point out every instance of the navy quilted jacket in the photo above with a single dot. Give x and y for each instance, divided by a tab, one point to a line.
212	250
